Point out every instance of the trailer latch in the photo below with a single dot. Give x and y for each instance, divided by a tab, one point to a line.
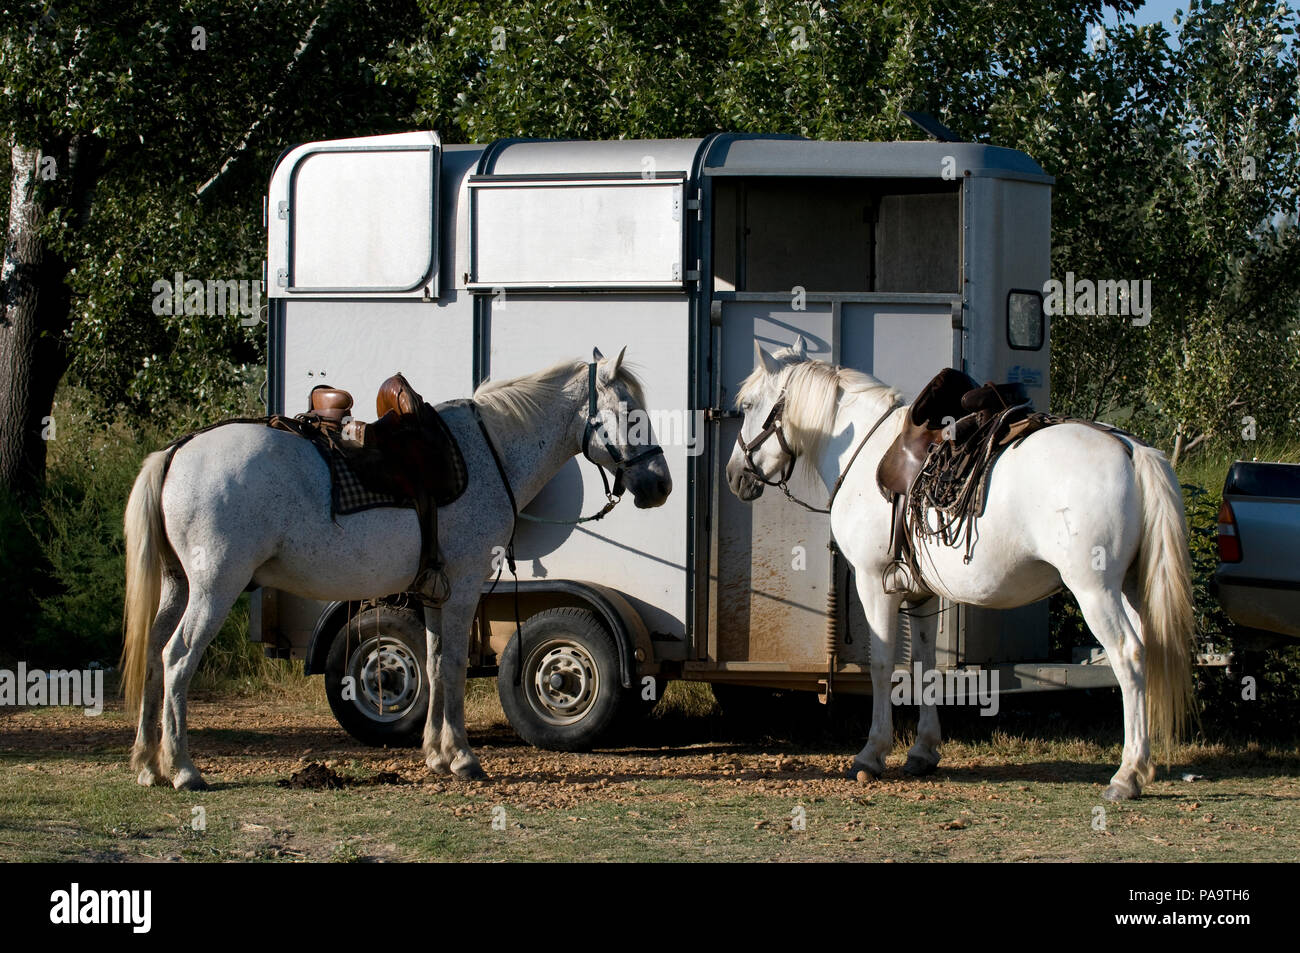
718	413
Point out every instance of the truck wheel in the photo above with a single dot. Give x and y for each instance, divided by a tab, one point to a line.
570	691
388	695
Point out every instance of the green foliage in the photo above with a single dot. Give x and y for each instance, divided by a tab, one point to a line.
168	110
62	564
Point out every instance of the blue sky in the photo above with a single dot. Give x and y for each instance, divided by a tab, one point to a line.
1152	11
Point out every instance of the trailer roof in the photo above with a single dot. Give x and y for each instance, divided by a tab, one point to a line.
765	156
731	154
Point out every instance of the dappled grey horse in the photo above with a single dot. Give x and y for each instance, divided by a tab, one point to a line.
247	504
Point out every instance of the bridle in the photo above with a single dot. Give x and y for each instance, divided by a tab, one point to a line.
772	427
596	427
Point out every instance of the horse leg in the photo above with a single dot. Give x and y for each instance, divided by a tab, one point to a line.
1104	611
202	619
1145	766
457	616
171	606
882	619
923	757
433	667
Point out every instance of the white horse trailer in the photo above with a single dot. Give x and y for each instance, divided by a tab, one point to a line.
457	263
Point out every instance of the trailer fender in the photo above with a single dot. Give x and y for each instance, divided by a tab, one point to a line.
635	649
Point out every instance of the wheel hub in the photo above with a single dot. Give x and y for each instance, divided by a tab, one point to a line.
387	676
565	680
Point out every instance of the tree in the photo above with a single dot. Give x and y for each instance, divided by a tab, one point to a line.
116	119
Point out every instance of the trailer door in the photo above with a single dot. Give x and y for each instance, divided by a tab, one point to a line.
870	280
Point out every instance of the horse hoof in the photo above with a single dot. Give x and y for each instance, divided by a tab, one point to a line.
437	764
860	772
471	771
1121	792
189	780
148	777
919	767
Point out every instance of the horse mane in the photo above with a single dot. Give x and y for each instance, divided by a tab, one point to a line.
812	390
518	398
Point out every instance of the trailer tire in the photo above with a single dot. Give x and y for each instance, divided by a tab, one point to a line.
383	653
570	691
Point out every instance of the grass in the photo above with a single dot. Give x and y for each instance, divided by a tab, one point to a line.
1022	787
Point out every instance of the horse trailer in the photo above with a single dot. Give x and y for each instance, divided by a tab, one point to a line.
456	263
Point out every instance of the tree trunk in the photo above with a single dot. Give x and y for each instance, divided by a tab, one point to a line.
22	453
35	301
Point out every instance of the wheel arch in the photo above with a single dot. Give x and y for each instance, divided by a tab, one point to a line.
631	637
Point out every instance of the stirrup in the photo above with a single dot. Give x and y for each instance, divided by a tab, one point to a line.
897	578
431	587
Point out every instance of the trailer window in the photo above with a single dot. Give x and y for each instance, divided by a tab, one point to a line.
362	220
1025	320
546	231
836	235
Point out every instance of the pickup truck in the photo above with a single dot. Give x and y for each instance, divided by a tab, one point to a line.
1258	579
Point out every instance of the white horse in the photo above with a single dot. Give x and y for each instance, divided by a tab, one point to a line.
1066	507
244	504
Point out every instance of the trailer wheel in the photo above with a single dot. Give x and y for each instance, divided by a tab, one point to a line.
388	695
570	691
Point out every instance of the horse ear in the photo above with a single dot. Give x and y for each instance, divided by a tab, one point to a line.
618	363
596	355
800	348
769	363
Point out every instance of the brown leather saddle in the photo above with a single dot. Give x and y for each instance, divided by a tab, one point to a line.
408	452
951	434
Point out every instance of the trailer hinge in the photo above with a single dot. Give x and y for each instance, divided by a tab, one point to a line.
956	316
715	313
282	277
697	204
282	209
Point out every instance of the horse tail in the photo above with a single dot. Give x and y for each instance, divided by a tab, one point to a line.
1165	578
145	540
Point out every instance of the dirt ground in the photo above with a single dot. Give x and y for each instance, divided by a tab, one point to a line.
717	790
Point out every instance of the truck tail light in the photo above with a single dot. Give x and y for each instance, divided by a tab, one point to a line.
1229	544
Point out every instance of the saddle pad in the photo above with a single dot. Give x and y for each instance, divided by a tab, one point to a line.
347	492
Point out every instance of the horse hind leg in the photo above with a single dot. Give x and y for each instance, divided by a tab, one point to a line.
1108	617
1145	765
171	607
204	614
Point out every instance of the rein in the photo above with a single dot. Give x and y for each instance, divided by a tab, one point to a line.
772	427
